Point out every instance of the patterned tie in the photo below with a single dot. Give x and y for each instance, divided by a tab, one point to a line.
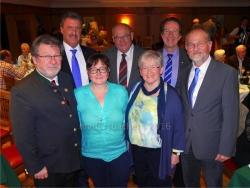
123	71
192	85
168	70
76	70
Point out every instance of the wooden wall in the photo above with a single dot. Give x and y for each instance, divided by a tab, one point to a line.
143	20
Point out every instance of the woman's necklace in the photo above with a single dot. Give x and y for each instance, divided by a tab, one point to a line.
98	103
100	115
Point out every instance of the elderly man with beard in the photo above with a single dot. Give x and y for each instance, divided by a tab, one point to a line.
45	120
210	95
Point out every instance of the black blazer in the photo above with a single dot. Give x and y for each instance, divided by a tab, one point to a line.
234	62
44	132
134	75
87	52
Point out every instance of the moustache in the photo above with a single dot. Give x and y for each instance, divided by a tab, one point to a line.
75	36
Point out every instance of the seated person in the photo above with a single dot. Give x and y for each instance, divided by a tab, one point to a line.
25	57
220	55
240	60
7	69
242	156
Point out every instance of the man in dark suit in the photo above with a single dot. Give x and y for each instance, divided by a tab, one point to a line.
44	117
240	60
71	28
210	95
171	33
122	37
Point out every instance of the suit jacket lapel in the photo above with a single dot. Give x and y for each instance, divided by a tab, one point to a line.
207	81
134	67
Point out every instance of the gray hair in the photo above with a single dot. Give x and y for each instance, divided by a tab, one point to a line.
48	40
150	55
25	44
218	54
197	29
240	47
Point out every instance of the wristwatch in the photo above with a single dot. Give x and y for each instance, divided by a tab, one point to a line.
176	153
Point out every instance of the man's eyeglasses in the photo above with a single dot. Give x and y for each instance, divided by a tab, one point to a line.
199	45
123	37
152	68
101	69
49	57
174	32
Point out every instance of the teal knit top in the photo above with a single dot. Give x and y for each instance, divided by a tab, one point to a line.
102	127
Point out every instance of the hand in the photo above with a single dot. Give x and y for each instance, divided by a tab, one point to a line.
174	160
221	158
42	174
25	64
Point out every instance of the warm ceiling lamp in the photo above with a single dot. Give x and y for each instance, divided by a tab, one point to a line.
126	21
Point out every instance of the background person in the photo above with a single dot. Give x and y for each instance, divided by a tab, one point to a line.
44	118
240	60
220	55
211	114
210	27
101	107
25	57
196	24
7	68
155	121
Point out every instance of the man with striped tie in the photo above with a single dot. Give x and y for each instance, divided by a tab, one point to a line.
123	57
175	59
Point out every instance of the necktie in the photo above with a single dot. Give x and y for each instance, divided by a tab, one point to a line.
123	71
193	84
168	70
76	70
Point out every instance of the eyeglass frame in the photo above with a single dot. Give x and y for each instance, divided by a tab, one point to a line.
96	70
45	57
198	44
124	37
168	31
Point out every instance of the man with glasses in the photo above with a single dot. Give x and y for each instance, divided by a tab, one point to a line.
45	120
175	59
123	57
210	95
239	60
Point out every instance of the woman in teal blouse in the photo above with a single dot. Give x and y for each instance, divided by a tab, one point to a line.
101	108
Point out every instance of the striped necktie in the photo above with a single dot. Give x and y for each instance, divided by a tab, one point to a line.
168	69
123	71
76	69
192	86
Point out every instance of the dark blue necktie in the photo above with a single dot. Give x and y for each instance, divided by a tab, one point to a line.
193	84
168	69
76	70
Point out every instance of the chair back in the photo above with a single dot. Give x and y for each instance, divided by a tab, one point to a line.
9	82
5	121
5	109
147	42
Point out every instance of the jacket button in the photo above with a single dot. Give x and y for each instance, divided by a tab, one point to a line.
189	130
76	144
75	129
